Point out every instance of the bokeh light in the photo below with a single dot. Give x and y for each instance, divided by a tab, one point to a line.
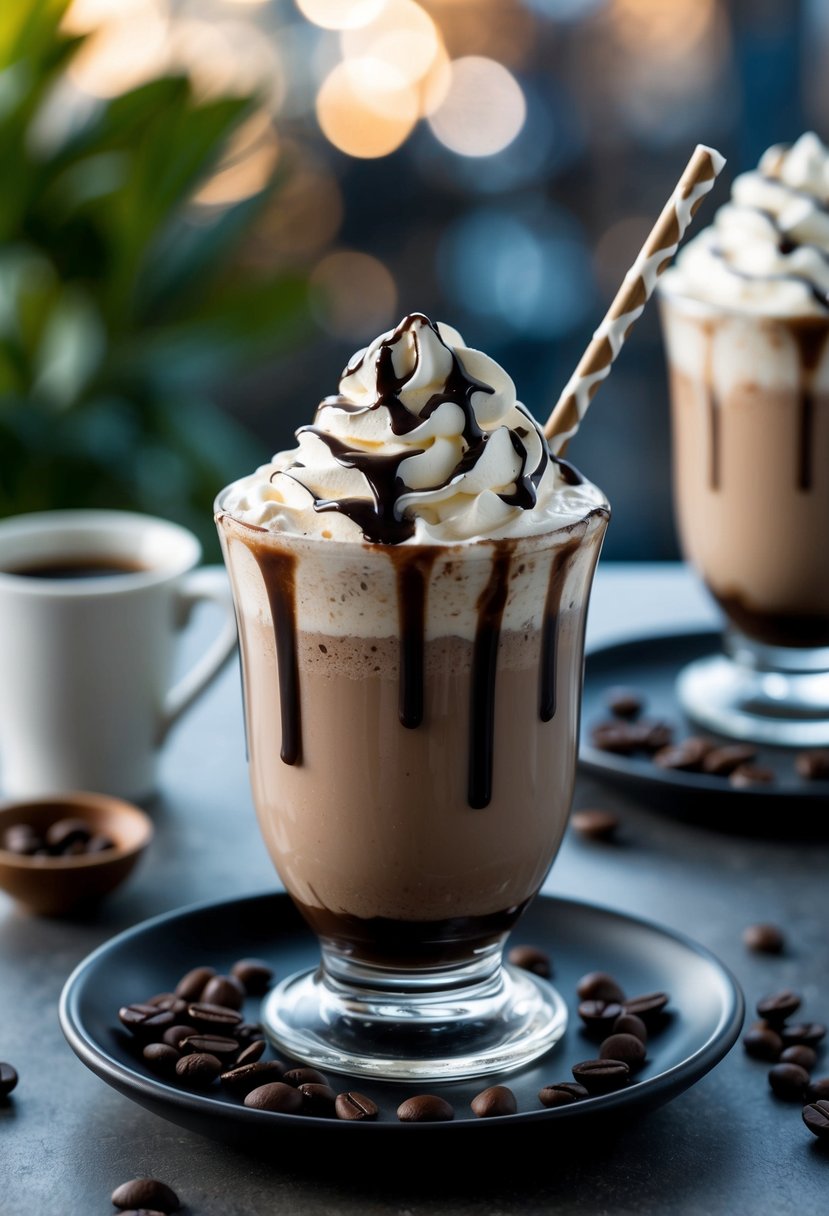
228	58
303	219
484	108
248	166
129	48
83	16
497	29
651	27
402	35
353	295
340	14
366	108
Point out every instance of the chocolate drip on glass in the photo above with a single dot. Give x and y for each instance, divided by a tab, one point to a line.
549	630
412	588
484	667
279	574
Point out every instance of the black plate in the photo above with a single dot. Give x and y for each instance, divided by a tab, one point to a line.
707	1013
651	665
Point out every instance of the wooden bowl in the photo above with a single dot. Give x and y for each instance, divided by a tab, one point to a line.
51	886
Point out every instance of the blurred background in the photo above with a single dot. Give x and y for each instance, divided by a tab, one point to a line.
208	205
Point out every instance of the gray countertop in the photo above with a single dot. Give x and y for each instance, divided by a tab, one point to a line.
723	1148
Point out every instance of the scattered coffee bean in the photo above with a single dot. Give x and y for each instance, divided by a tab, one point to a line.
354	1106
625	703
146	1022
616	737
599	986
198	1071
722	761
748	775
788	1081
192	985
652	737
174	1036
146	1193
253	974
22	839
778	1007
601	1076
494	1101
625	1047
649	1007
276	1096
170	1002
530	958
241	1080
161	1058
813	766
212	1017
99	843
248	1032
8	1079
62	834
683	757
425	1108
595	824
629	1023
318	1100
816	1118
562	1094
764	939
214	1044
599	1016
818	1090
253	1052
800	1054
223	990
763	1043
304	1076
809	1033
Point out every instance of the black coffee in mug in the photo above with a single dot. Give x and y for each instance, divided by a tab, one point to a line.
79	567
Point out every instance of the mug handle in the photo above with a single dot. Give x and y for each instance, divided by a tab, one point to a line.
209	584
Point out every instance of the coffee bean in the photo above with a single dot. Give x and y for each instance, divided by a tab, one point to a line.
816	1118
625	702
494	1101
653	736
8	1079
354	1106
99	843
648	1007
213	1017
763	1043
625	1047
788	1081
530	958
562	1094
595	824
800	1054
599	986
146	1193
722	761
253	1052
809	1033
223	990
246	1077
192	985
425	1108
778	1007
275	1096
22	839
175	1036
748	775
813	766
601	1076
304	1076
683	757
161	1058
253	974
169	1001
146	1022
248	1032
629	1023
214	1044
62	834
142	1212
599	1016
618	738
199	1071
818	1090
318	1100
764	939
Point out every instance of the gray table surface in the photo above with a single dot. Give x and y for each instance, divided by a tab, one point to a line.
724	1147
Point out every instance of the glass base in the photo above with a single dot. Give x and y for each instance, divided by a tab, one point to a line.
760	694
436	1031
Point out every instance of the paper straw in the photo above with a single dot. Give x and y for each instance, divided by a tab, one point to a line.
636	289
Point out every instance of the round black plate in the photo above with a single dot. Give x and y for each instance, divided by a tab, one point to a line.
706	1002
650	665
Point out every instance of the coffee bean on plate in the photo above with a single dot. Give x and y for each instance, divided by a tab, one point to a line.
198	1071
214	1044
174	1036
146	1022
599	986
625	702
253	1052
629	1023
818	1090
652	736
8	1079
788	1081
722	761
601	1076
816	1118
595	824
625	1047
146	1193
304	1076
599	1016
355	1107
800	1054
212	1017
810	1033
494	1101
246	1077
318	1100
764	939
223	990
777	1007
530	958
192	985
275	1096
161	1058
683	757
248	1032
619	738
253	974
425	1108
169	1001
563	1093
762	1043
813	765
748	775
648	1006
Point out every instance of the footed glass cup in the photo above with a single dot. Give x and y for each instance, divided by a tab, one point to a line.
412	719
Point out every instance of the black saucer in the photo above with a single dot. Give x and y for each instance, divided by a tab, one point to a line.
651	665
706	1002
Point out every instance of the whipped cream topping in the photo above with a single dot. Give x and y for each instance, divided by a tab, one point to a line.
425	442
767	250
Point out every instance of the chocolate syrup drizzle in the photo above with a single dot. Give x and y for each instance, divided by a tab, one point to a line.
548	670
279	574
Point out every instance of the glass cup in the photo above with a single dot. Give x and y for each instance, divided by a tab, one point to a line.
750	420
412	720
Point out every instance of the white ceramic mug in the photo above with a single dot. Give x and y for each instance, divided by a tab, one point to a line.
86	662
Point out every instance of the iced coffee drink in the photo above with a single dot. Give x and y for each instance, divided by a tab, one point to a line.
411	586
745	314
